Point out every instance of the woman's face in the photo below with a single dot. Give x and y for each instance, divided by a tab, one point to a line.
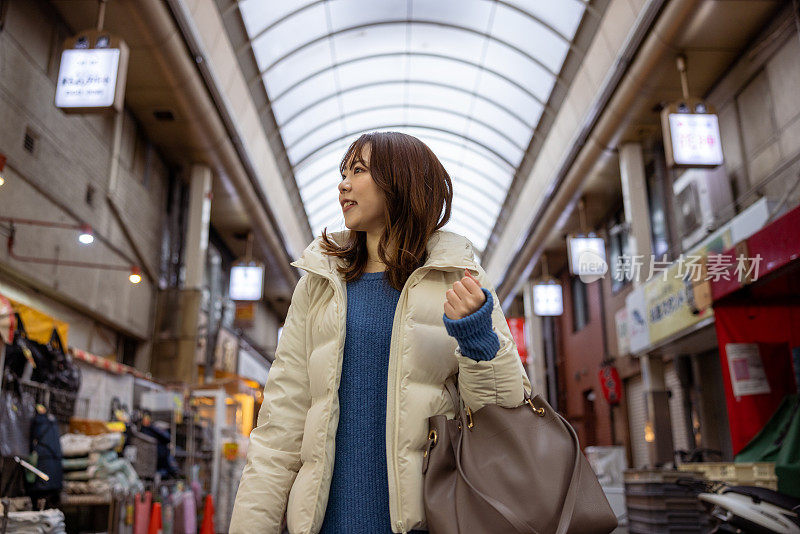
366	215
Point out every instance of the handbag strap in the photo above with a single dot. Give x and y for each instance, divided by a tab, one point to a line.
452	389
520	525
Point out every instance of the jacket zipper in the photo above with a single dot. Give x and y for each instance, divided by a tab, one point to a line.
391	402
342	298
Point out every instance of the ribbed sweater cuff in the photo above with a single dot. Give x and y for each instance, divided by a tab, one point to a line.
474	333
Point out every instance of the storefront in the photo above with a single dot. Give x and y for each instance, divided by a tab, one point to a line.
121	440
757	306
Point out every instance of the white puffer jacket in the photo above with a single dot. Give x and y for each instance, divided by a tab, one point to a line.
291	450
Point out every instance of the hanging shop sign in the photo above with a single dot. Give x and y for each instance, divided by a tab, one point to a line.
92	74
691	135
247	281
517	327
638	332
610	384
245	314
671	303
623	336
587	257
226	351
252	366
548	299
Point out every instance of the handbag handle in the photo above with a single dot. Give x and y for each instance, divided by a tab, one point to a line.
55	341
521	526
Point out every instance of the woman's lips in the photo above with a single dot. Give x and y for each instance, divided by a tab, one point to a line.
344	209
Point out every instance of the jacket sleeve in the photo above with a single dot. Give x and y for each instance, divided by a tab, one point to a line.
501	379
273	456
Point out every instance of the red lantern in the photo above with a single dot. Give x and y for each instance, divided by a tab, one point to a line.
611	384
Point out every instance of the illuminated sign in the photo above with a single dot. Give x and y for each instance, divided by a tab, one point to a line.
87	78
587	257
247	282
548	299
92	74
691	135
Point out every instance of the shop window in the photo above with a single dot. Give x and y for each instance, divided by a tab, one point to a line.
580	304
619	252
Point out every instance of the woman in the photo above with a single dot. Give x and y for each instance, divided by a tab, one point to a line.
386	312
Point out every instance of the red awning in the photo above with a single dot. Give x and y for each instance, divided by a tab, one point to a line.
776	245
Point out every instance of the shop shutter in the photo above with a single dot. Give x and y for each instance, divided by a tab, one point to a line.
637	417
677	411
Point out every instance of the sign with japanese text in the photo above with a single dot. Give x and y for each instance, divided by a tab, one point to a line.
691	135
611	384
623	334
87	78
747	369
638	332
92	73
695	139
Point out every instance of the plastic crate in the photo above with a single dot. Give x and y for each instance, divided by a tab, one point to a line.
653	502
659	476
639	527
668	517
760	474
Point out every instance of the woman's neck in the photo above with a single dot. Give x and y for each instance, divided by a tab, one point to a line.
374	264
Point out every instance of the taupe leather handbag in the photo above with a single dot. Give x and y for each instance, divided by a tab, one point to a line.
518	470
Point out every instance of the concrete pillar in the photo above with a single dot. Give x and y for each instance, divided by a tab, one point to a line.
178	312
534	342
197	220
637	215
637	207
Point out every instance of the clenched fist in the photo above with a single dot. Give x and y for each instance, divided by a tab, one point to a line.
464	298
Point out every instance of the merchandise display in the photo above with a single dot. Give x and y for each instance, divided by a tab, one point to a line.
81	451
45	522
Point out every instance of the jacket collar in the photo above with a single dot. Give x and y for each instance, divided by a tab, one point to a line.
446	251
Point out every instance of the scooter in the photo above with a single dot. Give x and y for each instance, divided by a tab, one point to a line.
750	509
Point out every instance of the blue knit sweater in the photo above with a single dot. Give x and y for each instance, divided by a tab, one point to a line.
359	494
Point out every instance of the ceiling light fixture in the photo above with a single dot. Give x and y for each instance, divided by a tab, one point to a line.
136	275
87	236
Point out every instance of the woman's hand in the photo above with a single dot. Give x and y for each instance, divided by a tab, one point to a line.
464	298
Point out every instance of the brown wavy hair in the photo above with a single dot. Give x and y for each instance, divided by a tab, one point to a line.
418	193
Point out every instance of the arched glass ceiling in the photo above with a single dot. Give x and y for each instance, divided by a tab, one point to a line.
470	78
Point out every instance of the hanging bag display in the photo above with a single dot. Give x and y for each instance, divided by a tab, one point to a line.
16	413
28	359
65	373
510	470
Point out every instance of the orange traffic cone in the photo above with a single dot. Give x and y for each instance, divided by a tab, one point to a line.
208	516
155	519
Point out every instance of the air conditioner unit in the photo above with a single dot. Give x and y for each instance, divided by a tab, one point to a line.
703	202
